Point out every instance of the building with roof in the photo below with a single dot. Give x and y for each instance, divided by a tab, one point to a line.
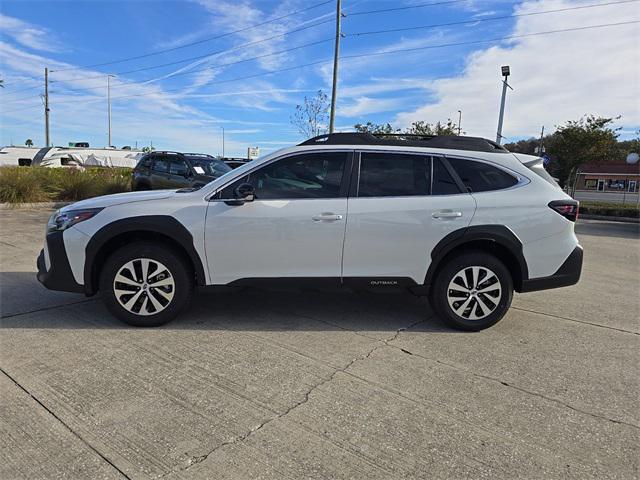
612	177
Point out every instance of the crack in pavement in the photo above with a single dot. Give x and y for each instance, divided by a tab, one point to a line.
479	375
73	432
44	309
515	387
576	320
240	438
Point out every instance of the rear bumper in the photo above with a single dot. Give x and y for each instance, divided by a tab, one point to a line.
59	276
568	274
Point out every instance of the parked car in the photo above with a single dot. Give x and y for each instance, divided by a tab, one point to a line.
235	162
457	218
172	170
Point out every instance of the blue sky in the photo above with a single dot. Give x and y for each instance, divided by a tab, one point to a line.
183	106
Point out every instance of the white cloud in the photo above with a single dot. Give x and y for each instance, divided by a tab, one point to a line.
31	36
556	77
369	105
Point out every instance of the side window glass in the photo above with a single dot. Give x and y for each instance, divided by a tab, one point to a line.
443	182
393	175
178	167
161	165
311	175
482	177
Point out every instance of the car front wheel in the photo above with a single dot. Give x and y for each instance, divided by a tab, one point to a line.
146	285
473	291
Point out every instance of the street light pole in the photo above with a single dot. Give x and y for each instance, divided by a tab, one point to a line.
459	122
505	73
222	141
109	106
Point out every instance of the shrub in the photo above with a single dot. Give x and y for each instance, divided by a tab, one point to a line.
610	209
37	184
19	185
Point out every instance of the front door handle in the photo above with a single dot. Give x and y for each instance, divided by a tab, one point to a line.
446	214
326	217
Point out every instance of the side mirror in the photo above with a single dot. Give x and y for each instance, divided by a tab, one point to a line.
243	193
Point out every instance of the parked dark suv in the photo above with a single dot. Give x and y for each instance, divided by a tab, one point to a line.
169	170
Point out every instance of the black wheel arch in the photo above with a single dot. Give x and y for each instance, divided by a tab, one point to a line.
495	239
154	228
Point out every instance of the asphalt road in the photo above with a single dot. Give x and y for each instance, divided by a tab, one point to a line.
322	385
611	197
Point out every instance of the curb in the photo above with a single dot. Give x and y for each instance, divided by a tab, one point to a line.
608	218
15	206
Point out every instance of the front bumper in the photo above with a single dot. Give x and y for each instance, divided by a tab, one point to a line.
59	276
568	274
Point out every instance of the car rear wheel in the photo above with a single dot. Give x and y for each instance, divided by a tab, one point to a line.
473	291
146	285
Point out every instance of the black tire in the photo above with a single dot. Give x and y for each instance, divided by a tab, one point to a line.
141	187
463	263
180	274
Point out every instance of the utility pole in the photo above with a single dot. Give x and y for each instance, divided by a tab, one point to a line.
459	122
505	73
109	106
46	106
336	55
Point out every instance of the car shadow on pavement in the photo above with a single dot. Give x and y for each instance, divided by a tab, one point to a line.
26	304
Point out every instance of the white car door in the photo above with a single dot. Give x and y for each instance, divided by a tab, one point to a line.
403	206
293	229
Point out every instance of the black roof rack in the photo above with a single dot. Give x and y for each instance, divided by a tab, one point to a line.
454	142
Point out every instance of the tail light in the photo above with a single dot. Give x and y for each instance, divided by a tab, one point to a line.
567	208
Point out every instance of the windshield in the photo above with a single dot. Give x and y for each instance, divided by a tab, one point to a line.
211	166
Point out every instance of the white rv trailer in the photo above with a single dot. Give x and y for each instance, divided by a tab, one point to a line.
17	155
74	157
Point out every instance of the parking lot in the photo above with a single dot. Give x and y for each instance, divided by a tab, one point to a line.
254	384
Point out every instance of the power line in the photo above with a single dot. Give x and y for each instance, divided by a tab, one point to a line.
394	9
391	52
199	57
486	19
21	90
159	52
496	39
212	67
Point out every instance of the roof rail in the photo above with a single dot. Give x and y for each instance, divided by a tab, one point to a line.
454	142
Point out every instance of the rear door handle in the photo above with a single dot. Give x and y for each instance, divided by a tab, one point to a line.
446	214
326	217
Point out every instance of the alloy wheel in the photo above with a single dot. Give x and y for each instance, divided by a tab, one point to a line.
474	292
144	286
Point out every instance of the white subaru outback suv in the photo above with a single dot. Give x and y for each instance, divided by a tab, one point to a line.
460	219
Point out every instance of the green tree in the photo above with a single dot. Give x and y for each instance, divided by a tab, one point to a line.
377	128
590	139
148	149
29	142
312	116
423	128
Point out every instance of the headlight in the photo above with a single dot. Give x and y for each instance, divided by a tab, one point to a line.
62	220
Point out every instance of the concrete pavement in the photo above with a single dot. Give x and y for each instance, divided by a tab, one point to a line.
258	384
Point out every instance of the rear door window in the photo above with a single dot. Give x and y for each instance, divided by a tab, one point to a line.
393	175
482	177
161	165
178	167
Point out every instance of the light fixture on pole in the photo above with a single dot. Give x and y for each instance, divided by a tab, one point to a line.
109	106
506	71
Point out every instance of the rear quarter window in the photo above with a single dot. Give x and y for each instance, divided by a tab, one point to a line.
482	177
